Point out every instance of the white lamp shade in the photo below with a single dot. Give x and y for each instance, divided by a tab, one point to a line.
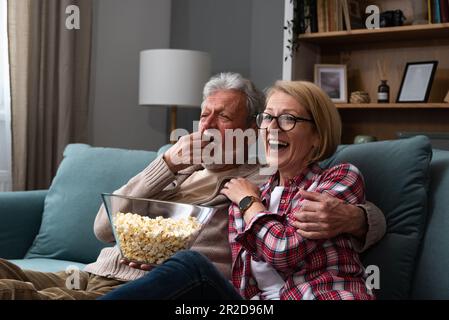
173	77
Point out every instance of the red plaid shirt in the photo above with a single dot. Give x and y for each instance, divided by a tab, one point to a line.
311	269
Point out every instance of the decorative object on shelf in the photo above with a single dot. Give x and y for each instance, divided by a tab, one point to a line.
332	78
362	138
417	82
383	92
393	18
170	77
447	98
360	97
409	8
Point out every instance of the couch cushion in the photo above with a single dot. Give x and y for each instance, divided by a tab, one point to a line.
74	197
396	177
46	265
431	278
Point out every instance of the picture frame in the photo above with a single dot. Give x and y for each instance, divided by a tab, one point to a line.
333	79
417	82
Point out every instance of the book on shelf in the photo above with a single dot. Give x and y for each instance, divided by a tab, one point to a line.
436	11
300	17
305	16
323	15
346	14
313	16
444	11
339	15
321	11
429	11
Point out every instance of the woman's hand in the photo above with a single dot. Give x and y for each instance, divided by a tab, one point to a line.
238	188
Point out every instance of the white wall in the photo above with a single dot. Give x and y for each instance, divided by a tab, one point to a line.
266	42
242	36
121	30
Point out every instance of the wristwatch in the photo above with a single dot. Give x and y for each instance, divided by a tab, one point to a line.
246	202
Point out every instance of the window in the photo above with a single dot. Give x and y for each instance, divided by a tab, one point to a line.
5	104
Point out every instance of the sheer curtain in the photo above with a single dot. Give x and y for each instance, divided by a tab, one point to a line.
5	104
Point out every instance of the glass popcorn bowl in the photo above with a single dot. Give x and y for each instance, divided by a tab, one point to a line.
150	231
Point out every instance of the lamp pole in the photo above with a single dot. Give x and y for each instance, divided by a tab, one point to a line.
173	118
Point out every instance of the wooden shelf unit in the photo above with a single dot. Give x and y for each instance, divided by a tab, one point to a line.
360	50
427	106
386	123
413	32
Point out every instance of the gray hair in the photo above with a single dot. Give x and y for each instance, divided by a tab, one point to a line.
255	99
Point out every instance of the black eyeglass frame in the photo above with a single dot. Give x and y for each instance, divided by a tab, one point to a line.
297	119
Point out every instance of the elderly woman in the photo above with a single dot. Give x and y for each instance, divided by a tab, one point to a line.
271	260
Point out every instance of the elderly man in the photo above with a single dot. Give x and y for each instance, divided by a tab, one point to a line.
230	103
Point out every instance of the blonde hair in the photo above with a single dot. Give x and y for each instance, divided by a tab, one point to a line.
322	110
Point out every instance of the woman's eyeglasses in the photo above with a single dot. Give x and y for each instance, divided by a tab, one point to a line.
285	122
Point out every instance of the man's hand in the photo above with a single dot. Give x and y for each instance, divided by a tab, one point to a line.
323	217
144	267
185	152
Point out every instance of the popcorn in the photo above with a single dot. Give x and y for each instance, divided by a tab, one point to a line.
152	241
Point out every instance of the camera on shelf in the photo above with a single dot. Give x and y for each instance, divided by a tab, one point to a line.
392	18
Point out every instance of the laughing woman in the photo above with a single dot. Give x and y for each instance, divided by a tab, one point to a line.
271	261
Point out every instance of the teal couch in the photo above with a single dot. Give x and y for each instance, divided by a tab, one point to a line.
51	230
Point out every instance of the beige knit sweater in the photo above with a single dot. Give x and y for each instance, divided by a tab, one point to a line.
158	182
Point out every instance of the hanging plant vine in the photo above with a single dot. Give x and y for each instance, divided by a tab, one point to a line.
293	29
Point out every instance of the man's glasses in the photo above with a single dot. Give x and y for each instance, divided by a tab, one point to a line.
285	122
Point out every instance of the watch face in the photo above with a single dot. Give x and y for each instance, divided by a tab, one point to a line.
245	202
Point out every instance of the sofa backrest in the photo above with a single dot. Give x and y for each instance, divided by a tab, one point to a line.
432	273
74	197
396	176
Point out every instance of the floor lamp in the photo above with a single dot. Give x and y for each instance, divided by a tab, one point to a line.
173	78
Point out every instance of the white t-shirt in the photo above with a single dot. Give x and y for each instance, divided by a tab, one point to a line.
268	279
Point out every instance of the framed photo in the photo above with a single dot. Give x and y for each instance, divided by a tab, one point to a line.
332	78
417	81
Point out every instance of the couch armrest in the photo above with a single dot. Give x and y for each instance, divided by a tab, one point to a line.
20	219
